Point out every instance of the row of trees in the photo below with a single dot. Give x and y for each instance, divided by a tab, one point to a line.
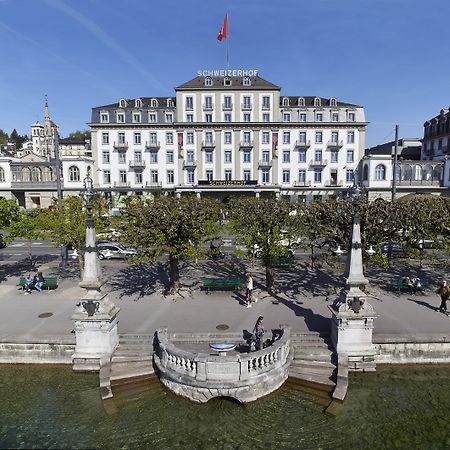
15	138
179	227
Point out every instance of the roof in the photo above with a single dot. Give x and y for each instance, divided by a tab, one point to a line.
146	103
236	84
407	151
72	141
309	101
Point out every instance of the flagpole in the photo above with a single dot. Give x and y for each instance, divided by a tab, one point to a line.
228	46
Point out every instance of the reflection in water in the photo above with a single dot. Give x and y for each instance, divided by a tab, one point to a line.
53	407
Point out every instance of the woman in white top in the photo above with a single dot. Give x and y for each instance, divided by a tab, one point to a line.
248	293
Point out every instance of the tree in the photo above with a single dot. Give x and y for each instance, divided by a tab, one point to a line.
167	224
81	134
3	138
261	221
17	138
9	213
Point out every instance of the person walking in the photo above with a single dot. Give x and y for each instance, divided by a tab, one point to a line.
444	292
249	290
258	331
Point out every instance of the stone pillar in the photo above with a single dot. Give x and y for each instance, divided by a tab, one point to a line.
96	315
352	316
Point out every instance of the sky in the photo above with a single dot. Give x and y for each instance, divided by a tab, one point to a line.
390	56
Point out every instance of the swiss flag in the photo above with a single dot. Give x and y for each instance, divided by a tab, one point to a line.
223	33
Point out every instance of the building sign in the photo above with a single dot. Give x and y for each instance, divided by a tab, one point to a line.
228	73
227	182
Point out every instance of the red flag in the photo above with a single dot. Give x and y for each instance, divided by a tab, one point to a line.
223	33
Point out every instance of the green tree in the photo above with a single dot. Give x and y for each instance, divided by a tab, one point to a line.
9	213
261	221
17	138
3	138
81	134
167	224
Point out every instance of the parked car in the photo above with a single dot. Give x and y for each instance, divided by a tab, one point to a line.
391	248
293	241
424	243
110	235
257	252
2	242
111	250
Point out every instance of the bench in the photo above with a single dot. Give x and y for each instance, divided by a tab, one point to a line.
397	285
283	261
50	282
222	284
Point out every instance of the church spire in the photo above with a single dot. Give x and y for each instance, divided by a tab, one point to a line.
46	114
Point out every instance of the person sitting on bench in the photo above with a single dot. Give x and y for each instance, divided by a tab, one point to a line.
38	281
29	283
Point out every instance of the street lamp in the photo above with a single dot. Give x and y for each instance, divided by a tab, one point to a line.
88	195
370	251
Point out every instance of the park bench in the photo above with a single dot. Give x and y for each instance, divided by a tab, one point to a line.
397	285
50	282
222	284
283	261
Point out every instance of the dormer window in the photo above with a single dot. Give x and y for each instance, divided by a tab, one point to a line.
227	81
120	117
285	101
208	81
333	102
122	103
169	102
246	81
138	103
317	102
136	117
104	117
154	103
301	101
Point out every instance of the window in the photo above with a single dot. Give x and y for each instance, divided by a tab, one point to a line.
107	176
209	156
189	103
302	137
265	137
189	137
286	156
302	156
265	175
190	176
154	176
209	137
154	103
285	101
350	137
266	156
335	117
380	172
317	102
122	176
138	156
227	102
350	156
301	101
169	157
122	103
208	103
137	138
122	157
247	175
266	117
74	173
349	175
333	102
209	175
190	156
227	137
170	177
351	116
104	117
169	117
153	138
334	155
138	103
105	138
286	137
120	118
152	117
266	102
302	117
247	137
227	117
227	81
169	137
189	118
366	172
318	137
228	175
317	175
334	136
138	177
319	117
153	157
105	157
318	155
208	81
286	176
246	117
208	118
246	81
247	156
302	175
121	138
286	117
228	156
136	117
247	102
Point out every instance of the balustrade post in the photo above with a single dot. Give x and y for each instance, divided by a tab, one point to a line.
200	362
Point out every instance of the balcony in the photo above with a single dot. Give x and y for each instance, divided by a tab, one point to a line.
318	162
189	164
433	182
34	185
208	106
152	145
265	107
246	144
121	184
137	164
189	107
302	144
302	183
264	163
246	106
227	106
153	184
333	182
208	144
120	145
335	144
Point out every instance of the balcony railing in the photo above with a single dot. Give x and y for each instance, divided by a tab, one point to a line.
153	184
208	106
208	144
191	163
120	145
265	107
136	163
302	183
153	145
121	184
302	144
227	106
333	182
246	144
419	182
246	106
189	107
318	162
335	144
264	163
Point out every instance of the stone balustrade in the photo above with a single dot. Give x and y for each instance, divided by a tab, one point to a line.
243	376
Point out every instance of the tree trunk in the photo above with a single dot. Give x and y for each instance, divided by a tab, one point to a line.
312	257
269	276
81	263
30	253
174	275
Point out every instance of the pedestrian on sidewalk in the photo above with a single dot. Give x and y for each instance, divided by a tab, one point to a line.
416	284
29	283
249	290
444	292
258	331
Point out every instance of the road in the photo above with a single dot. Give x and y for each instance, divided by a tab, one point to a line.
19	250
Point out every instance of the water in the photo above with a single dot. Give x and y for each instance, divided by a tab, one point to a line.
53	407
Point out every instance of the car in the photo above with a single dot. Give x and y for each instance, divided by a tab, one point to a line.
257	252
424	243
391	248
112	250
292	241
111	235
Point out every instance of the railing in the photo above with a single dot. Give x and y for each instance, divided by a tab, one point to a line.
234	368
153	145
34	184
192	163
264	163
208	144
335	144
246	144
136	163
318	162
120	145
302	183
208	106
303	144
265	107
153	184
121	184
227	106
334	183
246	106
419	182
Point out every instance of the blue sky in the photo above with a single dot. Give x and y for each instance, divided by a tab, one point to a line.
391	56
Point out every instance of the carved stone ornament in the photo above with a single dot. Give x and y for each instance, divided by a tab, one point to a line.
90	307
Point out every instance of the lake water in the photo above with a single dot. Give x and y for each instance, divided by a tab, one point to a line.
394	408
